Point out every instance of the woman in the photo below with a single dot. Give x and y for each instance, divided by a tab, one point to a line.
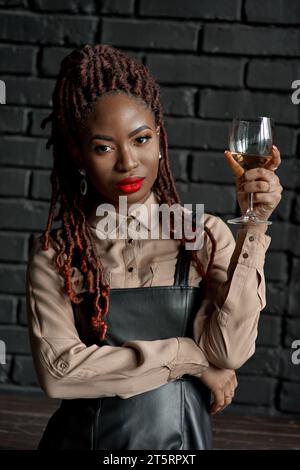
133	366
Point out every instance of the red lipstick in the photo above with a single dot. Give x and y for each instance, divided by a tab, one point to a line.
130	184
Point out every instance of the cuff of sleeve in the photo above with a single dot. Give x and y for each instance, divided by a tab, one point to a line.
190	359
251	247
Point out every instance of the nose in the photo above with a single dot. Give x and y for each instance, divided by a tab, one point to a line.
126	160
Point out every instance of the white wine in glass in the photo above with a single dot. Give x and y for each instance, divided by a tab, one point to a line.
250	142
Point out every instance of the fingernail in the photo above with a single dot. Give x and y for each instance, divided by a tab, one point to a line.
274	147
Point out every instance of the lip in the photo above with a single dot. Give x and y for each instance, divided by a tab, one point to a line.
131	184
130	180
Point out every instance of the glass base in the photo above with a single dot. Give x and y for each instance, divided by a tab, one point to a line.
248	219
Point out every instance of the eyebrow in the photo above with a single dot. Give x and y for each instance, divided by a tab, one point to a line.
108	137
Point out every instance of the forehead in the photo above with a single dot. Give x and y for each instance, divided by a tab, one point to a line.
119	111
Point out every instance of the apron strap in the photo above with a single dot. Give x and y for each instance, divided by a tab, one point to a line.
183	264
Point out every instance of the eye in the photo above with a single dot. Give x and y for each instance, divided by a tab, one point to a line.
99	148
147	137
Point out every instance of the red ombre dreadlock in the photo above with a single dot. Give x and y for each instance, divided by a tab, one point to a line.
86	74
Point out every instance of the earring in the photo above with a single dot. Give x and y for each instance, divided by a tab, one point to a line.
159	155
83	182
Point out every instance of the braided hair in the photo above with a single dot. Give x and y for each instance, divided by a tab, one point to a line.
86	74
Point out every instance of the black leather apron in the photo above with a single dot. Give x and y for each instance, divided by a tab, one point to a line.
174	416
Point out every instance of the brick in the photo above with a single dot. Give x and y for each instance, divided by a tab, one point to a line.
250	40
29	91
269	331
22	312
51	59
255	391
220	9
23	151
289	398
46	29
14	182
272	74
276	266
289	172
288	370
119	7
265	361
8	313
13	246
296	209
16	339
273	11
178	101
41	187
195	133
77	30
280	236
286	140
210	167
5	370
139	56
292	330
17	59
12	279
293	300
14	3
36	116
151	34
24	215
12	119
23	371
294	237
70	6
228	104
191	69
215	201
178	162
276	299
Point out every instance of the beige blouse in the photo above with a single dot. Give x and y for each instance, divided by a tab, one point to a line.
224	330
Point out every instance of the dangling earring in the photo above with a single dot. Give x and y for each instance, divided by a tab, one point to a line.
159	155
83	182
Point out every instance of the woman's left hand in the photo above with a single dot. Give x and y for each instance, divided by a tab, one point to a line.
262	182
222	384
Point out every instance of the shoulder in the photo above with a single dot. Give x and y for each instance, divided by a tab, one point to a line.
41	262
37	249
42	268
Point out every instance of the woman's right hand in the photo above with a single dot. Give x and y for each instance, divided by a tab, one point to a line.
222	383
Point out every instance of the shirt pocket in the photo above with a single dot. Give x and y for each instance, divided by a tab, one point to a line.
162	274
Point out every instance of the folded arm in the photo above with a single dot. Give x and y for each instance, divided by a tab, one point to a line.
67	368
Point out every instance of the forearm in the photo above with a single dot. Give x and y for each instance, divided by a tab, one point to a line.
227	336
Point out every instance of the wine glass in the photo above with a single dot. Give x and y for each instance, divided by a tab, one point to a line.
250	142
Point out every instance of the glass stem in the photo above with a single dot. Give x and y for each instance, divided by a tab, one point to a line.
250	203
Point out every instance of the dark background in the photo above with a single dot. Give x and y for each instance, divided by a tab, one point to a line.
213	60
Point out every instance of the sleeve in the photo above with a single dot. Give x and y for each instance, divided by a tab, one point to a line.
225	326
67	368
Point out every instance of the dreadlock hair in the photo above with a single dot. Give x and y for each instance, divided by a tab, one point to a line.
85	75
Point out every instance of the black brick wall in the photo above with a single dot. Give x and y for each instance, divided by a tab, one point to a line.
212	60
